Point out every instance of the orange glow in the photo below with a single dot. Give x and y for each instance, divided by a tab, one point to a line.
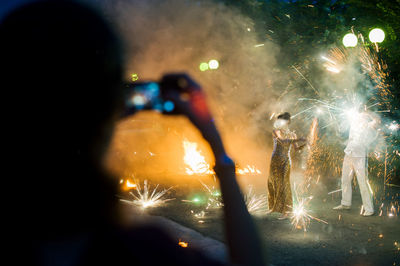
183	244
128	185
196	163
248	170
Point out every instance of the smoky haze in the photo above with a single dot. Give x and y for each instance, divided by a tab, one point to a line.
243	93
176	36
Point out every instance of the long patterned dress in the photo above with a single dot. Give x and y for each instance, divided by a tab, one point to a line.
279	191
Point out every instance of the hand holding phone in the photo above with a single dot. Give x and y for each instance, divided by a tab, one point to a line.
174	94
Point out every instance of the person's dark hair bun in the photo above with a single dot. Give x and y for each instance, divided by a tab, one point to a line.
285	116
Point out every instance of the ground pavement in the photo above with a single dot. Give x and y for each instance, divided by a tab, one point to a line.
347	239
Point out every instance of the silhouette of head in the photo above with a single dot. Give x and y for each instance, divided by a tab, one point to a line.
61	66
64	63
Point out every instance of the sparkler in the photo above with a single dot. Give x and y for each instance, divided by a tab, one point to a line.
336	111
300	216
146	198
393	211
390	212
331	65
214	201
256	205
341	110
309	83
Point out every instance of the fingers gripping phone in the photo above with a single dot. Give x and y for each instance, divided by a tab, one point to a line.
168	96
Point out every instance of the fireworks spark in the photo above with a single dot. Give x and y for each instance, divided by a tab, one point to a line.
147	198
309	83
331	65
333	69
341	110
197	165
394	126
248	170
214	200
300	216
256	204
329	60
335	191
199	215
128	184
195	160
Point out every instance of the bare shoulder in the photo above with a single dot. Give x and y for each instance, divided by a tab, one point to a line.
277	133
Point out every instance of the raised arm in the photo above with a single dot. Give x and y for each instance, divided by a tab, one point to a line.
291	140
299	143
243	240
278	134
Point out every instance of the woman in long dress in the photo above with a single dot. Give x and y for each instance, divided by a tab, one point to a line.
279	190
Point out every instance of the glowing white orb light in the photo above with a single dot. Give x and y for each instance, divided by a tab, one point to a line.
350	40
377	36
213	64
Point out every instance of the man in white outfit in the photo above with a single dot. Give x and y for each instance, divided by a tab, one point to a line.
362	134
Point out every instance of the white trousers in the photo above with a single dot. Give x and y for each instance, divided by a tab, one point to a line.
357	166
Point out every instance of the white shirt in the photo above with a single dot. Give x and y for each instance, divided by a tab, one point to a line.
360	137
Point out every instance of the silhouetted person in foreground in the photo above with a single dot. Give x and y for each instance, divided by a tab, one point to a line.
61	69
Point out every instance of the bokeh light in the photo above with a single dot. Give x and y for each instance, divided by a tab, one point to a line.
213	64
169	106
203	66
134	77
377	35
350	40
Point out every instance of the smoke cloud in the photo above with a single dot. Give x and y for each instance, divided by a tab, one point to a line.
244	93
176	36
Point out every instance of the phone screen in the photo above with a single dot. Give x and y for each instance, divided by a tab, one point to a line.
144	96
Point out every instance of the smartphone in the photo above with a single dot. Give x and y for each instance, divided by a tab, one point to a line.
145	96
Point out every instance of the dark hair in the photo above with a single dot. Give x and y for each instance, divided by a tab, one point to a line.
285	116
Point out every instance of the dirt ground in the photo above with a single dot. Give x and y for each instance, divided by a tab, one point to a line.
347	239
